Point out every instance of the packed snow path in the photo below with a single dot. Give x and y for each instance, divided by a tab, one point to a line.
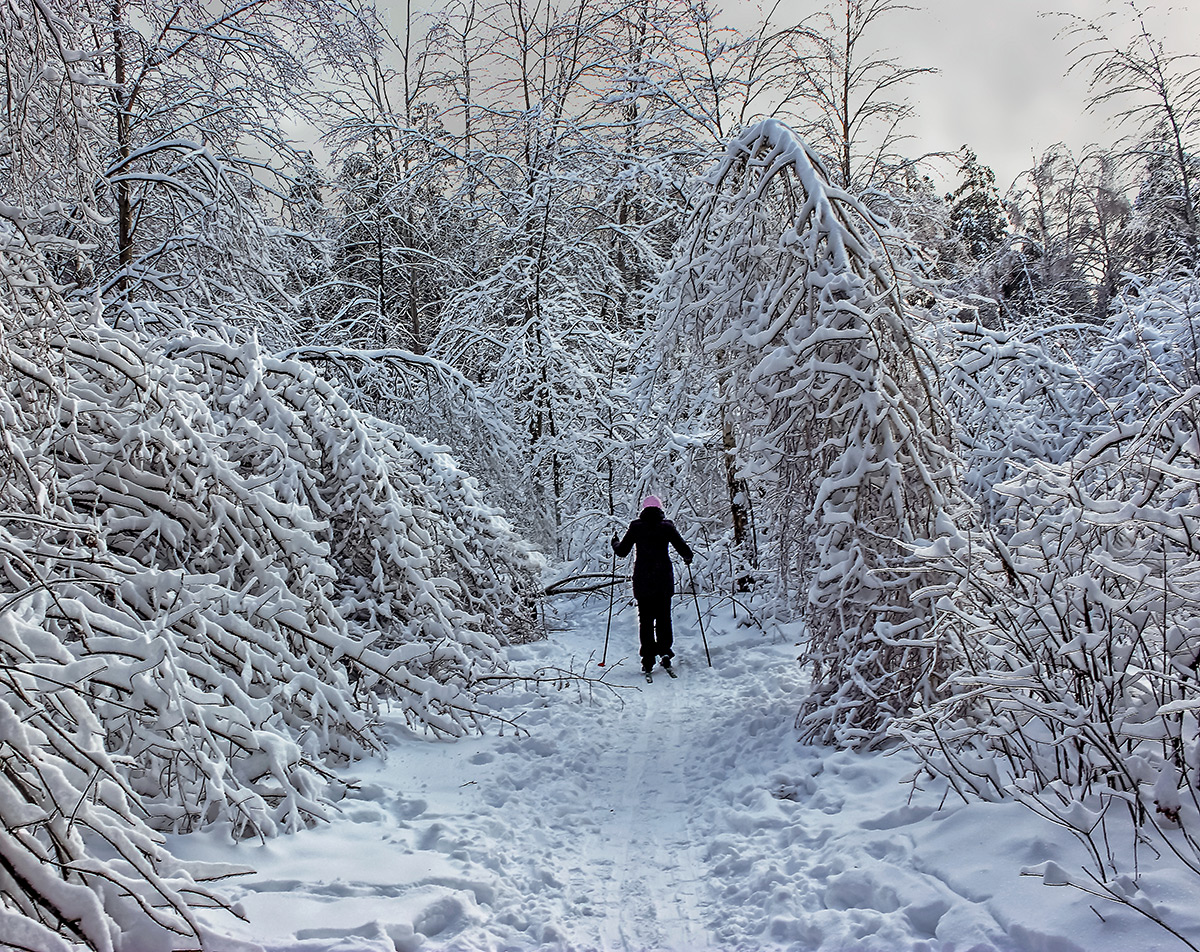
643	794
680	816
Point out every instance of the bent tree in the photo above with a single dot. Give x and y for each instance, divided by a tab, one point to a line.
796	374
213	574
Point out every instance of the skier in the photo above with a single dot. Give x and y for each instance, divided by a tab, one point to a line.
653	579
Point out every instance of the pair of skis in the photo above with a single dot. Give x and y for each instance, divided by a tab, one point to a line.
650	675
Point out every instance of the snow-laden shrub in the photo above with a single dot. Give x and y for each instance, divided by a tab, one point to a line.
785	349
420	394
77	861
213	570
1016	402
418	554
1076	616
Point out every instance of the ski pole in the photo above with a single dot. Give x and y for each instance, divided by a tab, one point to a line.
612	594
699	619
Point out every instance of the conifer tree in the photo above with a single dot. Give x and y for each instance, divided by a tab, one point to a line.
976	212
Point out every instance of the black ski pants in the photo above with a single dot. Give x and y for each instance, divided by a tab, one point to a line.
654	629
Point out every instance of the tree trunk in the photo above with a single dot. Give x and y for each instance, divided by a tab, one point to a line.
735	485
122	99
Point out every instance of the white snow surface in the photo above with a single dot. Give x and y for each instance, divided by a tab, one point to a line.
681	815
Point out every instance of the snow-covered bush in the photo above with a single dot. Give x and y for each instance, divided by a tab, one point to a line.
785	345
213	570
1016	402
77	861
420	394
1075	614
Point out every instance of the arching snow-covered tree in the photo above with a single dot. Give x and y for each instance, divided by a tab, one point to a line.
786	345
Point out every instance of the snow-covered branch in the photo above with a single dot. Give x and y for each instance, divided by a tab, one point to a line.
214	571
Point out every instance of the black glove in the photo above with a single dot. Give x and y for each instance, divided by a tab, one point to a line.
688	560
616	540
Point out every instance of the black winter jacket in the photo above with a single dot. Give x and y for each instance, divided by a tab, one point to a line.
653	577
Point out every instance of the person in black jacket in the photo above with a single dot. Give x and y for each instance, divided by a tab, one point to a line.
653	578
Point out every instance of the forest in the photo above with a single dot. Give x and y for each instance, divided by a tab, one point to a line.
330	339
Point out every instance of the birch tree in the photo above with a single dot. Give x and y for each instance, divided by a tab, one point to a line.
172	122
856	89
1157	96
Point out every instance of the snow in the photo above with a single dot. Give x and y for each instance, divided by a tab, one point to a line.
678	815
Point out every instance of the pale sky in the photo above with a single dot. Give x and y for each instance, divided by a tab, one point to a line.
1001	87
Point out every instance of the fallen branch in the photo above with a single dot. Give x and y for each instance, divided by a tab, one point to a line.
606	581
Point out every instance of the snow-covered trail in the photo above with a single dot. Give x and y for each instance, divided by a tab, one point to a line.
679	816
635	860
652	892
605	803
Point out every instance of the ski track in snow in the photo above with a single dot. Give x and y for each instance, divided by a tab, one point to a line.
679	816
652	894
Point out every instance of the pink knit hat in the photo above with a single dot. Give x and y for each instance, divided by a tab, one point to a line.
652	502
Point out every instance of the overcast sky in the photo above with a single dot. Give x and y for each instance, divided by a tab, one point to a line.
1002	87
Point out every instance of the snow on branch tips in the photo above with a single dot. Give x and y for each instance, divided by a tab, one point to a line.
212	572
784	315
